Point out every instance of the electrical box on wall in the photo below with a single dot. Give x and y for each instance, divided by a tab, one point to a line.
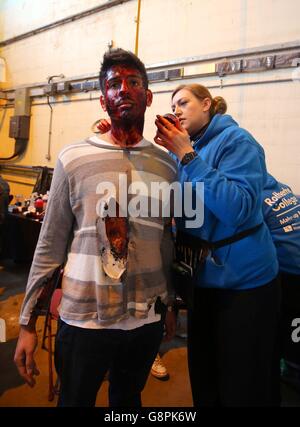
19	127
22	102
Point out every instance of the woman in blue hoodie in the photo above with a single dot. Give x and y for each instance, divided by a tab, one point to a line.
281	209
233	322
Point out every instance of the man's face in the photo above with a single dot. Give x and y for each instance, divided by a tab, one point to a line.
125	96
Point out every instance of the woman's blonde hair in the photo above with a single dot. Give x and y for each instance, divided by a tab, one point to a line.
218	104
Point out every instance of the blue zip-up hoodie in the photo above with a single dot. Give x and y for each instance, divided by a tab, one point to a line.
281	209
232	166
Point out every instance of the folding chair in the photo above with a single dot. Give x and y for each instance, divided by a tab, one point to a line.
47	341
47	305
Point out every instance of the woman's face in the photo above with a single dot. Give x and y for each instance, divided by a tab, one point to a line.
192	112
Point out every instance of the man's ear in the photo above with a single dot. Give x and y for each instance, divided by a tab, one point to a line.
149	98
102	102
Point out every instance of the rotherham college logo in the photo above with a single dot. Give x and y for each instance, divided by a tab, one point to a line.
157	199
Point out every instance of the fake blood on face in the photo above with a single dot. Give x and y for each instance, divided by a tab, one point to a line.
126	101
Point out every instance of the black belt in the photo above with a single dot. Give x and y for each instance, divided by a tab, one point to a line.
192	250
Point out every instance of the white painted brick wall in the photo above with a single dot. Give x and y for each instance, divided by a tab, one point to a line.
169	29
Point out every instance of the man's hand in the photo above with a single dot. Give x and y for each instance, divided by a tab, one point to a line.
24	353
170	325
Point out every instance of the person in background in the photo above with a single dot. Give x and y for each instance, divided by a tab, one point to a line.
116	285
4	202
281	209
233	323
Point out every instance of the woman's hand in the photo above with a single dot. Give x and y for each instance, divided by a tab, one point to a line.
174	138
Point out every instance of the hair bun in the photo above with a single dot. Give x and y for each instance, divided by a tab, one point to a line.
220	105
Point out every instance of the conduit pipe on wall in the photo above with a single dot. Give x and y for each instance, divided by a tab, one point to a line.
48	155
230	54
224	86
221	85
136	49
88	82
20	147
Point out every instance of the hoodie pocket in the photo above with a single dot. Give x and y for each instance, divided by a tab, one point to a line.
219	256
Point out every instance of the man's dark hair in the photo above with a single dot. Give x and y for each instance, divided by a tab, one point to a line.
119	56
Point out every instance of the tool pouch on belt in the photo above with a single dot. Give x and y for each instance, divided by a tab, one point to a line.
190	254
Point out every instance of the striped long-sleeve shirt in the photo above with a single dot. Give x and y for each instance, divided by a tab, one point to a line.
69	233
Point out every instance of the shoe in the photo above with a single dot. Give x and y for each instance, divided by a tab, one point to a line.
159	370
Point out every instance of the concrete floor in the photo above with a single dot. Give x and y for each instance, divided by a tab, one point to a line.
14	393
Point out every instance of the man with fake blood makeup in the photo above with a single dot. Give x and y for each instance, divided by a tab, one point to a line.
116	284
